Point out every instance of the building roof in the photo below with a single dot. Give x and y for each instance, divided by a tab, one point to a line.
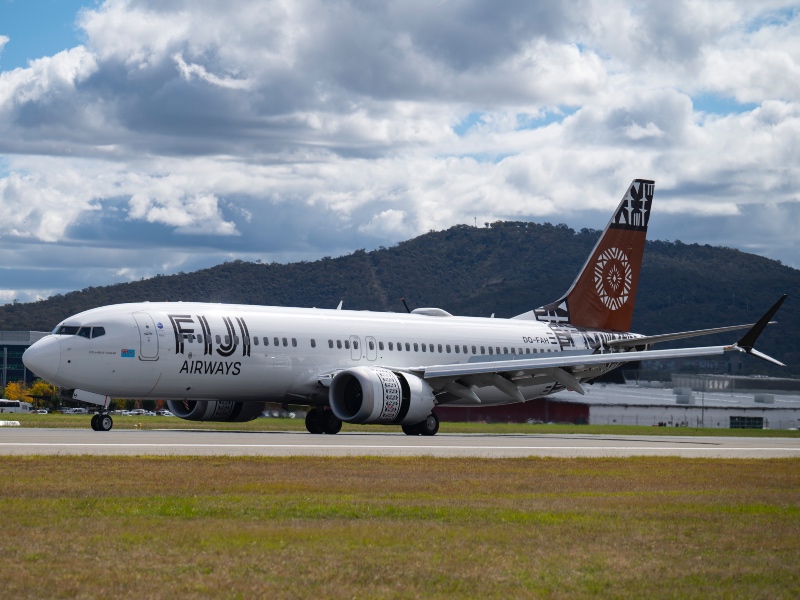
602	394
21	338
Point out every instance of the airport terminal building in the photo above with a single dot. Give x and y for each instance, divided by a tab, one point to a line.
718	401
12	346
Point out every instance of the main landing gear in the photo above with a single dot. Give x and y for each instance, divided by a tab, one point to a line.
319	420
102	422
430	426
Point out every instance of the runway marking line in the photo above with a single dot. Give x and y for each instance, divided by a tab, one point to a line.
386	447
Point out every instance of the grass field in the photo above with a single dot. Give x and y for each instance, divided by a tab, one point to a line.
79	527
82	421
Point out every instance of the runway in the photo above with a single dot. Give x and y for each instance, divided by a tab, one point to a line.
231	443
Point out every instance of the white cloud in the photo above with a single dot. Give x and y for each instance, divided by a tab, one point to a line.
331	125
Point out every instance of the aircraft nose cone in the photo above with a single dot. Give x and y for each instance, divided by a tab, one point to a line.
44	358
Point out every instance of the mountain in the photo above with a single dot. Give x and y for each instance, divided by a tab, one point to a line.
505	269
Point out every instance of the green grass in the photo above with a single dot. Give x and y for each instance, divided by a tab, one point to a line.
299	527
58	420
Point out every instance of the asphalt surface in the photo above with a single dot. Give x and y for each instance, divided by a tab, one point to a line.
17	441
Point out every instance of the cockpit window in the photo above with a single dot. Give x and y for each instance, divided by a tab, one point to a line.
87	332
66	330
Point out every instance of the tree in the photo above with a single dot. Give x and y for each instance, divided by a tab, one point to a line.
43	393
130	404
149	405
15	390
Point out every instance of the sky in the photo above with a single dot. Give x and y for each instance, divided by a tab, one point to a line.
144	137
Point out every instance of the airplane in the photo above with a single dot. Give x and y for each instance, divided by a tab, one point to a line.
224	362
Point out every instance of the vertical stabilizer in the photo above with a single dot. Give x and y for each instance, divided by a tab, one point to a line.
603	295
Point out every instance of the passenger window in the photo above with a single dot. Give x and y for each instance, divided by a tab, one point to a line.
285	342
483	350
236	340
227	340
490	350
255	340
440	348
448	348
391	345
380	345
218	340
408	347
423	347
85	332
330	343
246	340
313	343
416	347
200	338
266	341
98	331
294	342
527	350
347	344
498	349
457	349
339	344
473	350
276	341
355	344
372	345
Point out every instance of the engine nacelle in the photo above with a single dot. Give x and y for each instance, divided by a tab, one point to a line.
374	395
216	410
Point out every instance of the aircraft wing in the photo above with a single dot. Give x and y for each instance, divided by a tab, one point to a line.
671	337
568	369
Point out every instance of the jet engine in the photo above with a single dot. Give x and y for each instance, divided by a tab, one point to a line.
215	410
374	395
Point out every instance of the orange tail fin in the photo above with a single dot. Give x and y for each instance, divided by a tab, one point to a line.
603	295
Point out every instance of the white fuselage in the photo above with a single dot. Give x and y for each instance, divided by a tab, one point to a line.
200	351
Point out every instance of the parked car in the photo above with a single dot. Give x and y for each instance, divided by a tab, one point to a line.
41	411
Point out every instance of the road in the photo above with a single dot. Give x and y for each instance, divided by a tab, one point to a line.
16	441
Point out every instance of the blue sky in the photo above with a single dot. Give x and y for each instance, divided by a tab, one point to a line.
37	28
156	137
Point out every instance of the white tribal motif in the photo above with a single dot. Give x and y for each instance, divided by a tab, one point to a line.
613	278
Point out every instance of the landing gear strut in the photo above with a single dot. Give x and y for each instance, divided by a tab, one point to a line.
102	422
319	420
430	426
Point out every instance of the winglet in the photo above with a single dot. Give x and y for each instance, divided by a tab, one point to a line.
749	339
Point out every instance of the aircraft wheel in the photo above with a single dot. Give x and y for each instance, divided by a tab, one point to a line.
104	423
313	421
429	426
411	429
330	423
94	422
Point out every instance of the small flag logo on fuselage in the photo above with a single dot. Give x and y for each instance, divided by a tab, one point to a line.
128	353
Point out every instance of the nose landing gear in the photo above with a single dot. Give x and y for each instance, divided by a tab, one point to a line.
102	422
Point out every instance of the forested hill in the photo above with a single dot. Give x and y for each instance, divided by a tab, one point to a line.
506	269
